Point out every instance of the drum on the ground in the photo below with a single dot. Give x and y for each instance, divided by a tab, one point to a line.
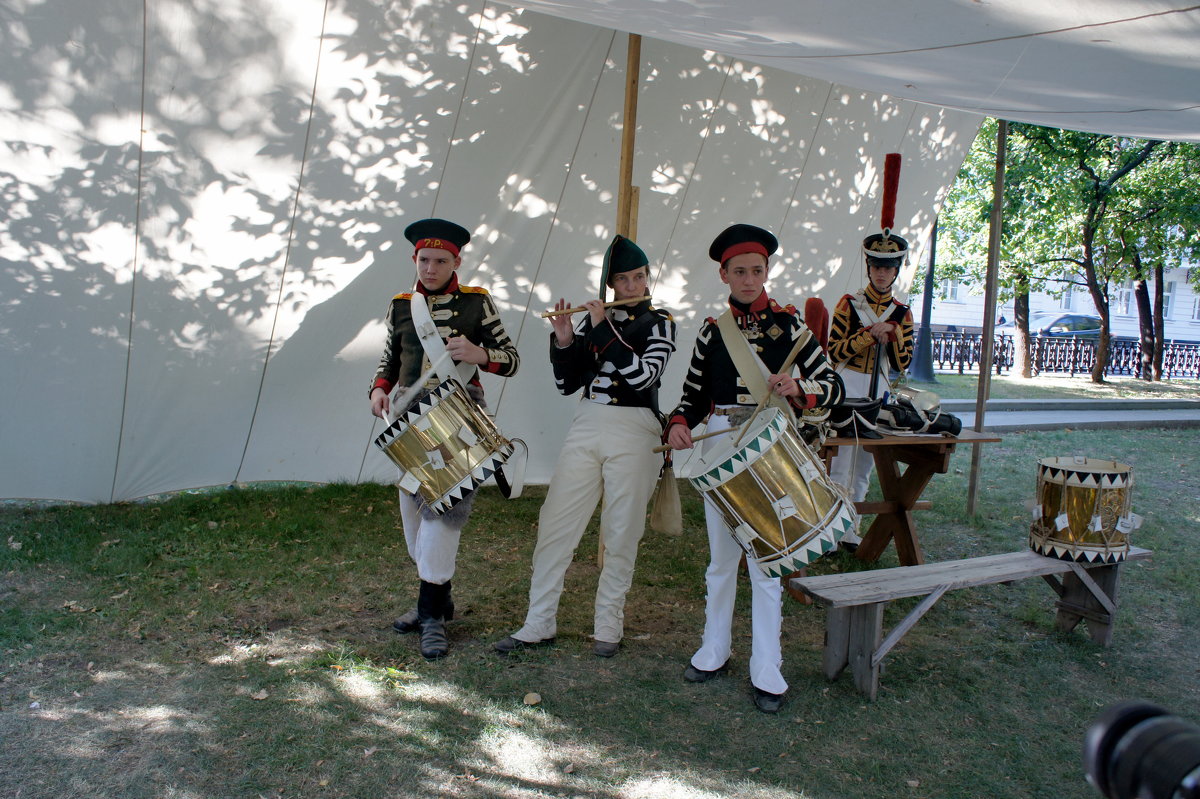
773	492
445	446
1083	509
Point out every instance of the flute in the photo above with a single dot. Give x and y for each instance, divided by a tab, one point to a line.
578	308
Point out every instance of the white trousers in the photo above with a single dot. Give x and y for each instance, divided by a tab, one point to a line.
432	543
766	598
851	467
607	452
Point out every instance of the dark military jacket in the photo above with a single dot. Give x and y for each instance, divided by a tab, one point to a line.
772	331
457	310
619	362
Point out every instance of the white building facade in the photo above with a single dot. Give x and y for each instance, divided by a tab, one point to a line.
959	306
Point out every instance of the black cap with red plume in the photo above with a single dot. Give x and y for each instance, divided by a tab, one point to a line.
886	248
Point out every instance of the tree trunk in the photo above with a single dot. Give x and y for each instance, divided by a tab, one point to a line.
1158	321
1022	363
1141	293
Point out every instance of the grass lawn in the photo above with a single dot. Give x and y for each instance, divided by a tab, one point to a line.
238	644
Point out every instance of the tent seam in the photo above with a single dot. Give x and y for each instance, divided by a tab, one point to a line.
558	205
287	255
137	235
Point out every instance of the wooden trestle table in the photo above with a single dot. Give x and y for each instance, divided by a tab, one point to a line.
923	455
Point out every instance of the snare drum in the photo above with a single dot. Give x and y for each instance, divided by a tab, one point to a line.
1082	511
445	446
774	493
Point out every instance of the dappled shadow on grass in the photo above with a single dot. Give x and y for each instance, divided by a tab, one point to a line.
253	655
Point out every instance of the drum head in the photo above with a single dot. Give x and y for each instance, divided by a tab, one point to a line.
720	459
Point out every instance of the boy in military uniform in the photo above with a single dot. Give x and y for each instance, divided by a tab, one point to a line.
616	359
861	323
468	323
714	389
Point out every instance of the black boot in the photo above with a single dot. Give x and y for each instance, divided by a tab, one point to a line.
410	621
431	616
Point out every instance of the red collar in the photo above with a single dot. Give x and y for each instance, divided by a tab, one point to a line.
450	287
758	306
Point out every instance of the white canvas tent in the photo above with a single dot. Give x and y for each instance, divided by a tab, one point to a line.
204	205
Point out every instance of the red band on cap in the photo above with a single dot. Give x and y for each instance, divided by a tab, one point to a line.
437	244
744	246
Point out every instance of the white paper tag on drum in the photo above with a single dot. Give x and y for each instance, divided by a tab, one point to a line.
1062	522
467	436
435	459
744	533
784	507
1127	524
409	483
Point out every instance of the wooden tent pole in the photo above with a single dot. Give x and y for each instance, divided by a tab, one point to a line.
626	211
627	195
989	309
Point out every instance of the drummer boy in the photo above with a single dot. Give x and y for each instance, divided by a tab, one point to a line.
715	390
468	323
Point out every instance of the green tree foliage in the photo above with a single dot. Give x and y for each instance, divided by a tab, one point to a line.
1081	210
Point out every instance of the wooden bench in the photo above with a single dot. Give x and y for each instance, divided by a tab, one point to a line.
854	620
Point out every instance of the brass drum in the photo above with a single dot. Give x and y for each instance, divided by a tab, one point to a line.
1082	511
774	494
445	446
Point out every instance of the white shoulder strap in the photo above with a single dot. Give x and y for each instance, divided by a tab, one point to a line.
435	348
753	371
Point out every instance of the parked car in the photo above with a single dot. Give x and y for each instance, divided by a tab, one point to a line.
1057	325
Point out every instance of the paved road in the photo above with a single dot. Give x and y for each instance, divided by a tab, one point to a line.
1014	415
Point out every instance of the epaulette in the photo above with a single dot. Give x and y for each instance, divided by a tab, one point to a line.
472	289
405	296
663	312
788	309
712	320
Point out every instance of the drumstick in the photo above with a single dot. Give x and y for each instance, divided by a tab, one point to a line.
700	437
405	399
762	403
579	308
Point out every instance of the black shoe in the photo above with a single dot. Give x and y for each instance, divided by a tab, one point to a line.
605	649
766	701
508	644
693	674
850	547
434	643
409	623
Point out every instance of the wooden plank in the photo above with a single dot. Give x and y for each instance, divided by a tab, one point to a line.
918	439
866	629
837	642
1097	593
904	626
883	585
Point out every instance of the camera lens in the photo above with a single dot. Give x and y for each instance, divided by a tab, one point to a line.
1136	750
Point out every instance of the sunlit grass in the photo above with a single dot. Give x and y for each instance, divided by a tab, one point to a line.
239	643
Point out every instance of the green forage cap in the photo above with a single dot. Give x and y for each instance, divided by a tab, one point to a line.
622	256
